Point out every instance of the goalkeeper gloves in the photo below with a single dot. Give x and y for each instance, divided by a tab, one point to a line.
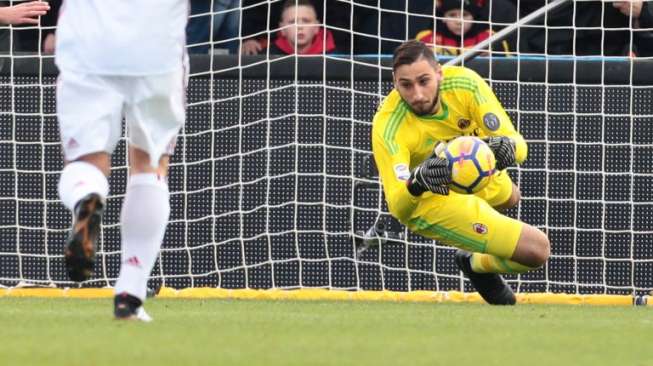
432	175
503	149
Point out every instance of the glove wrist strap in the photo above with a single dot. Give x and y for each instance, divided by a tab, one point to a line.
414	188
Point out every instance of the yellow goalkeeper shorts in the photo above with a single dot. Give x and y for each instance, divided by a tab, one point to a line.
468	221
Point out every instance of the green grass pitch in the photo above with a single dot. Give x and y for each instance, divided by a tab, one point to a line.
240	332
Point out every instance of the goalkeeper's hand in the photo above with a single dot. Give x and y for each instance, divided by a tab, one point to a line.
503	149
432	175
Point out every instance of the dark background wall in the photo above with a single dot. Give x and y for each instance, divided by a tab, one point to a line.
272	178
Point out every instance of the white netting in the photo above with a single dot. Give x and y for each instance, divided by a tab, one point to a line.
272	185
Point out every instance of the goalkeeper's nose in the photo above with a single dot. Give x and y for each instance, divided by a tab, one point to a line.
419	97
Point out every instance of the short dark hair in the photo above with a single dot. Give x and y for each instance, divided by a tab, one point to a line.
411	51
290	3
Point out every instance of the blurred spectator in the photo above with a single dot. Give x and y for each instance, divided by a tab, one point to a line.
359	27
301	32
213	28
462	25
382	25
49	23
27	13
640	14
385	24
569	30
24	13
260	20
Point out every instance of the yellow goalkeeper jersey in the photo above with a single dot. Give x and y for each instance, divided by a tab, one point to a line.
401	140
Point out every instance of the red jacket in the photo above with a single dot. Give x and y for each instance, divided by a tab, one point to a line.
319	46
447	45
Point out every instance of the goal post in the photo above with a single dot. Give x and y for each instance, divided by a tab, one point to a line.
272	184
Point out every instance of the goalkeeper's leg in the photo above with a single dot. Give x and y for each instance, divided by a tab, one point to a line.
531	252
490	242
483	269
144	218
532	248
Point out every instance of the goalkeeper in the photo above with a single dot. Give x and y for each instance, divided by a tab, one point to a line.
431	104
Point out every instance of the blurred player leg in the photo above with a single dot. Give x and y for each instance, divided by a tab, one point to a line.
144	217
101	83
83	189
153	120
89	111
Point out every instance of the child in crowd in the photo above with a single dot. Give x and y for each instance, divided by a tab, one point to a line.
300	31
461	24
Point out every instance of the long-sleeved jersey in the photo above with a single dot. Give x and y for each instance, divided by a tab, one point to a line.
401	140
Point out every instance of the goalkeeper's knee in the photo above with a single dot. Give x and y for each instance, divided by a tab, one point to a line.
533	248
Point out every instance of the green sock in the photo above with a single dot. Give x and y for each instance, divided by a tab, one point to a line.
488	263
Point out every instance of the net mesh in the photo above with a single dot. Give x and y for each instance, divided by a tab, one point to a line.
272	184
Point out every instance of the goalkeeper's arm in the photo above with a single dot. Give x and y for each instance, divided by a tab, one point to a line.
403	188
431	175
507	144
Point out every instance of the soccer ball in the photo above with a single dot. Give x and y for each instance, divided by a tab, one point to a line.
471	162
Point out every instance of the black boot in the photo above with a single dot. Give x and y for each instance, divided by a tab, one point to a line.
79	253
492	288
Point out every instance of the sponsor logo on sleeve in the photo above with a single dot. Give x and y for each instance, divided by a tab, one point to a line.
491	121
402	172
480	228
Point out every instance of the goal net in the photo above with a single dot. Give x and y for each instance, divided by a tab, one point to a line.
273	186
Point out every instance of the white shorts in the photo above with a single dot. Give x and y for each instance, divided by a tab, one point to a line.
91	109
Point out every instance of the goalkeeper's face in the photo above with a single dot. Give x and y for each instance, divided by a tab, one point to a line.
419	85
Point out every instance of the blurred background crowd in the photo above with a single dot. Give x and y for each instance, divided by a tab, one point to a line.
359	27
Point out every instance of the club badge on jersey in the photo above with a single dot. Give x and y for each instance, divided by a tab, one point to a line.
480	228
